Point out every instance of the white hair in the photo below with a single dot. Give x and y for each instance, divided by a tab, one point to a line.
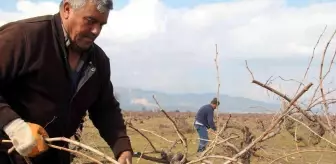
102	5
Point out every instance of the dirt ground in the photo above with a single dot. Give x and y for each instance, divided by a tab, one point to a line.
307	149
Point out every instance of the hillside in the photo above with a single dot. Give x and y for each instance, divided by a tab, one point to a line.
137	99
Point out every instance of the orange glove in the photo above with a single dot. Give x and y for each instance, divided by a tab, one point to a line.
27	138
39	134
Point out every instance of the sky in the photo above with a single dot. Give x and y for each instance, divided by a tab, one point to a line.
169	45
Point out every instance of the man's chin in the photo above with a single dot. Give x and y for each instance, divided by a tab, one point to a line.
86	47
82	47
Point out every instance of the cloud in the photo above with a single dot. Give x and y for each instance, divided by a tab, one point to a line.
153	46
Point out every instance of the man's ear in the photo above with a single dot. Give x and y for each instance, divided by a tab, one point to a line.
66	9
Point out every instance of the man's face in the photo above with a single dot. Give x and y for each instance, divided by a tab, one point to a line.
84	24
214	106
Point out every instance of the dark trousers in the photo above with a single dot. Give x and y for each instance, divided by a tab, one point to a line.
203	135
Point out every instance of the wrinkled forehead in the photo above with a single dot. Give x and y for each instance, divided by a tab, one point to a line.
97	5
101	5
93	10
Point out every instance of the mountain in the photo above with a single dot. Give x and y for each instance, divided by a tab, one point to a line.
137	99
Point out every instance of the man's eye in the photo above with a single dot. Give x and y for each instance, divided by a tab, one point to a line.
89	20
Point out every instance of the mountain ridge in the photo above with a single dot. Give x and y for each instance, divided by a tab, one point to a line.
135	99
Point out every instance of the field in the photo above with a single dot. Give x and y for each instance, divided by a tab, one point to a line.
294	135
309	148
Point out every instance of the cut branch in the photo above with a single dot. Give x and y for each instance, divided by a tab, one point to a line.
181	136
143	135
247	148
299	152
325	105
304	112
218	86
97	152
157	135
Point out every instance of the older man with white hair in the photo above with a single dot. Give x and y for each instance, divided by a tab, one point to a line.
51	73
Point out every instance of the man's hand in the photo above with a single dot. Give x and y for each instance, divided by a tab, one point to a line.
27	138
212	131
125	157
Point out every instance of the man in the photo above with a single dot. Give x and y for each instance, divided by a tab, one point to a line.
51	73
204	121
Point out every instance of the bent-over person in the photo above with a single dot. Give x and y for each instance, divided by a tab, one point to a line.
51	73
204	120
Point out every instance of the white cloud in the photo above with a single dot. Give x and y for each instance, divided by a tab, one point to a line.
138	20
28	8
153	46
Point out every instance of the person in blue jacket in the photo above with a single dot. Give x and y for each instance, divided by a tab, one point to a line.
204	120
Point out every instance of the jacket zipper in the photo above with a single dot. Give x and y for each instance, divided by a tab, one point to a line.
89	71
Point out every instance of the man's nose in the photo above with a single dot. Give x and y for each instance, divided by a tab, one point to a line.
96	29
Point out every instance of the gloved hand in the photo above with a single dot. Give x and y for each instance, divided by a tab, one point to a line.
27	138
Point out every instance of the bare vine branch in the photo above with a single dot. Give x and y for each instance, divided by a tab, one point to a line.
182	137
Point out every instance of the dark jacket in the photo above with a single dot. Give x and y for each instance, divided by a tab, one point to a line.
35	83
205	116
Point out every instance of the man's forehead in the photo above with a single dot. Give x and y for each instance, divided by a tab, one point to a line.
92	5
90	10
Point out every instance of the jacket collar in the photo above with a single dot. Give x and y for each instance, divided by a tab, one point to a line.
59	29
64	40
62	35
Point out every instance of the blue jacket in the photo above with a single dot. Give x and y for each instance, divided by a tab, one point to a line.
205	116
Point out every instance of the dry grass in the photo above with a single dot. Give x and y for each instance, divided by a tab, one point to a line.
245	138
282	144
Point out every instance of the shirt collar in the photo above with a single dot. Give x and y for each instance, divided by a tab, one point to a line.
66	38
